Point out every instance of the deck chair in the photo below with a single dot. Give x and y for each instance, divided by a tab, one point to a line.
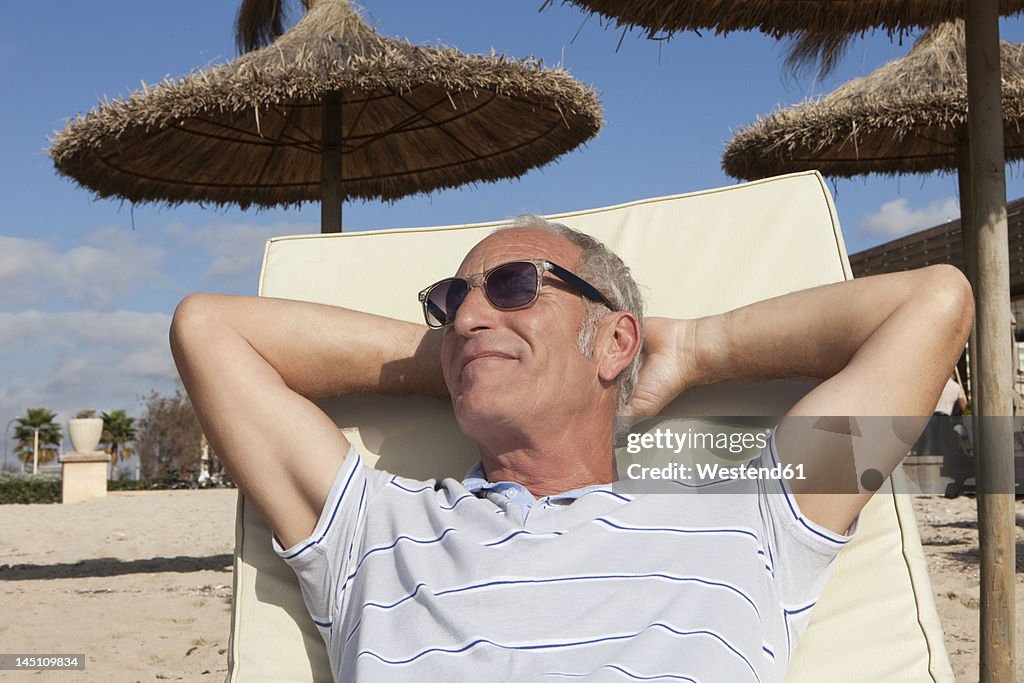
692	254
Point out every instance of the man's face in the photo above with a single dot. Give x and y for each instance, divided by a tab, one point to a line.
518	369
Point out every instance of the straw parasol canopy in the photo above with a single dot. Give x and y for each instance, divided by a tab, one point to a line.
782	17
908	116
817	31
405	119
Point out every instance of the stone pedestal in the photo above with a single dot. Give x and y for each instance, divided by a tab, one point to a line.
83	476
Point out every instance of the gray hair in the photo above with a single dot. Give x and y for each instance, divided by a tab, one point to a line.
604	269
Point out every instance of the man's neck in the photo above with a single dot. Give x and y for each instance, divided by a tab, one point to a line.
549	453
554	468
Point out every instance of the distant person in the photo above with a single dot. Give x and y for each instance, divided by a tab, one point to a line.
941	436
952	400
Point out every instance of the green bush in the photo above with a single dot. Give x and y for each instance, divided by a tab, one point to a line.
24	488
157	483
170	479
127	485
18	488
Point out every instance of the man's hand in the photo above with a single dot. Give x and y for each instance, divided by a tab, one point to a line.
667	365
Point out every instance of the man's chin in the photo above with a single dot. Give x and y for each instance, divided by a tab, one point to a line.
478	417
485	370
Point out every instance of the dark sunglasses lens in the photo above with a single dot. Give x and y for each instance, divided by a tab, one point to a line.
443	300
512	285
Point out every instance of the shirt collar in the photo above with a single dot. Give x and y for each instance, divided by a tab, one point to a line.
476	483
475	479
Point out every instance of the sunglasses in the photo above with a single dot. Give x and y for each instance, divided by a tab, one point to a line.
508	286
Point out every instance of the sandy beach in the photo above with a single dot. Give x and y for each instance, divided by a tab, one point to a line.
140	583
949	534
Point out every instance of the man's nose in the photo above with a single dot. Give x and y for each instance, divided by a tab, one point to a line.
475	313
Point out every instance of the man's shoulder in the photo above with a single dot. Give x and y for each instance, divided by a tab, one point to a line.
414	494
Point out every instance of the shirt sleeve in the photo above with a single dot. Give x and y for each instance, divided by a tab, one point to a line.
320	561
803	550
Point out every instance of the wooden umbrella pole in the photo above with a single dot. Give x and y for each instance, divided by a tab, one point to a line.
969	241
330	163
995	459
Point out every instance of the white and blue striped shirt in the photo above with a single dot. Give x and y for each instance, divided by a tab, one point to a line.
447	581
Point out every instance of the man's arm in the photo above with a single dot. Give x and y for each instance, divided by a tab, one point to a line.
252	366
883	345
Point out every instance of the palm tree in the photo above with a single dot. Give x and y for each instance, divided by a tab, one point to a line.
50	435
118	431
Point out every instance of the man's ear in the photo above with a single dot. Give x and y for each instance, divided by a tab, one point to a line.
618	342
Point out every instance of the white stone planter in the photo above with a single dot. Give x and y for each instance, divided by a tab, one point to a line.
85	433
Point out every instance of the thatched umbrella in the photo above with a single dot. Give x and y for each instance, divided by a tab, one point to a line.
823	27
908	116
780	18
816	29
330	110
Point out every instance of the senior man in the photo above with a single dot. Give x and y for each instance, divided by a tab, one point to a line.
534	567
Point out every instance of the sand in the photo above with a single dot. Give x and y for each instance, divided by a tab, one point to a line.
949	535
140	583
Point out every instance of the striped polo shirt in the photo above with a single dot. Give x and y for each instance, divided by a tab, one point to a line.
432	581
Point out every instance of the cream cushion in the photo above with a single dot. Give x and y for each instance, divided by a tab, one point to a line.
693	255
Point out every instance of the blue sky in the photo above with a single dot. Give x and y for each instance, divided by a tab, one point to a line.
87	287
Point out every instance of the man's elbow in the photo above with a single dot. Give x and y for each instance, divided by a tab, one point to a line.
193	314
951	300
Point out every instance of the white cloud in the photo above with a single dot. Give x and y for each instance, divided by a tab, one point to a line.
82	359
895	218
117	329
154	361
236	248
103	358
109	266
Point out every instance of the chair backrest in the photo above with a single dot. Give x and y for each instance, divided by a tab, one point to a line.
692	255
